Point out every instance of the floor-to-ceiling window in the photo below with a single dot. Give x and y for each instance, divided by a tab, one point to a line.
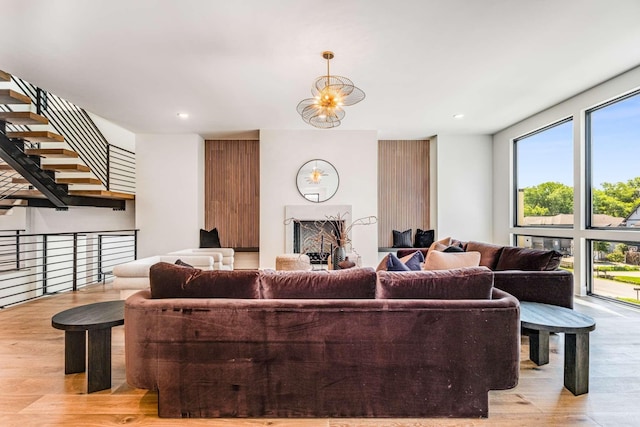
544	176
613	171
599	214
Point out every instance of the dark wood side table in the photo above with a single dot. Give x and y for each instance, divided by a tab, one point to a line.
541	319
97	319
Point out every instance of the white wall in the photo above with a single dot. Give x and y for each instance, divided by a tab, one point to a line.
463	187
503	171
355	156
170	192
115	134
79	218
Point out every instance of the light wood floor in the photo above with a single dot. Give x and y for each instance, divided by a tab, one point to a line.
35	392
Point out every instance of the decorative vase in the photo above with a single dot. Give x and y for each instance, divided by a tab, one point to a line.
346	264
339	255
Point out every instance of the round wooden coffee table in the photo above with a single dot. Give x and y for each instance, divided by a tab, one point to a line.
541	319
97	319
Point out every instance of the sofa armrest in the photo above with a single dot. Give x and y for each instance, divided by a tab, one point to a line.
547	287
137	268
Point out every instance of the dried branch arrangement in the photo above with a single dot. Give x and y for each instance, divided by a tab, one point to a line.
330	232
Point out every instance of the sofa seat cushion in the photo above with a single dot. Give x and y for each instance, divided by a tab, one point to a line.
351	283
461	283
173	281
489	253
527	259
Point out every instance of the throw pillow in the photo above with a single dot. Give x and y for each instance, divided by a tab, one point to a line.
183	264
394	264
423	238
413	261
462	283
453	248
402	239
391	262
209	239
440	245
437	260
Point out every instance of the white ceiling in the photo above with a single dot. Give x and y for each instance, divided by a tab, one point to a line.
238	66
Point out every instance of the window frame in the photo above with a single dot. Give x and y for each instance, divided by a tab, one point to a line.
515	175
588	146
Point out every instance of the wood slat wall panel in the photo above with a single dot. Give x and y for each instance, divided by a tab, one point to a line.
403	187
232	191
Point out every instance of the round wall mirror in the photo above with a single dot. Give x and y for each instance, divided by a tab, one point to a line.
317	180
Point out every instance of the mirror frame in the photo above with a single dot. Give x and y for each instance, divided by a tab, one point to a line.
326	167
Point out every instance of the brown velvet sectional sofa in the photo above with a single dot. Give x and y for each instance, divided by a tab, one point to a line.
349	343
528	274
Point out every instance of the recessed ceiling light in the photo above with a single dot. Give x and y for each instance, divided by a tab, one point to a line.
458	116
183	115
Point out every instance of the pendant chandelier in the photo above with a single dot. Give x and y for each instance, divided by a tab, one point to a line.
330	95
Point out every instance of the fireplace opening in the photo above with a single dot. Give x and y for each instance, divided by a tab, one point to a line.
308	239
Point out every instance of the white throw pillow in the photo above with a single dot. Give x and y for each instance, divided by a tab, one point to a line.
437	260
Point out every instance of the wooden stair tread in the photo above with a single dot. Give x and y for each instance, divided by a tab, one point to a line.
87	181
102	193
12	202
36	136
5	167
23	118
66	167
19	181
25	194
50	152
4	76
8	96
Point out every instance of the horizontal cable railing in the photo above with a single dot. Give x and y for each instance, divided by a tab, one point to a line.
83	136
122	170
35	265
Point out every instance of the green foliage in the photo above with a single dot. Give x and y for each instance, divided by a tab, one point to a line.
548	198
615	257
627	279
553	198
617	199
617	268
601	246
631	300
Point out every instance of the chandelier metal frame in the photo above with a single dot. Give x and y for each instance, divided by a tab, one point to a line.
330	95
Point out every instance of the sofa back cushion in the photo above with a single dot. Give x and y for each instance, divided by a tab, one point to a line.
527	259
460	283
351	283
174	281
489	254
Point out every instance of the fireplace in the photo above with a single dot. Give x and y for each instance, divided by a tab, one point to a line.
312	213
308	238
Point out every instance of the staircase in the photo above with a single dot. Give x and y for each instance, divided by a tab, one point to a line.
38	167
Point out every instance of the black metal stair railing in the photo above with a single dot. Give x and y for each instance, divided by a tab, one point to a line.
36	265
84	137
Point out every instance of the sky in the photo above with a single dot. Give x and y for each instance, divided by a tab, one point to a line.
615	129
